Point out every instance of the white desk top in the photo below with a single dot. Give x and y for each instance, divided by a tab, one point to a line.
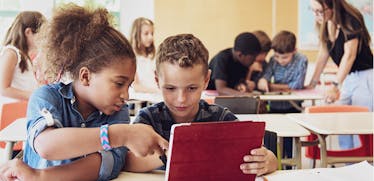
336	123
279	123
296	95
156	175
360	171
16	131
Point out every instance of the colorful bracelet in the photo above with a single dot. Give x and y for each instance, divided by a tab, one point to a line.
104	137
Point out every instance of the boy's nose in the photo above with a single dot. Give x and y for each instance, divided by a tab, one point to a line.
182	96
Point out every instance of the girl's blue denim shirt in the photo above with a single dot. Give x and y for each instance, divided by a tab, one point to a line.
59	100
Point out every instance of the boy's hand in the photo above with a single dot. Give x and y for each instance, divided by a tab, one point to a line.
17	170
143	140
263	85
259	162
256	67
241	87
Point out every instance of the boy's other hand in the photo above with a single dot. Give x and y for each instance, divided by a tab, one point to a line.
263	85
259	162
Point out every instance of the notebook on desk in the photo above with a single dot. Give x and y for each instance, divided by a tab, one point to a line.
212	151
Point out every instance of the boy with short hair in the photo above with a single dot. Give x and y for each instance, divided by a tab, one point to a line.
182	74
287	67
230	66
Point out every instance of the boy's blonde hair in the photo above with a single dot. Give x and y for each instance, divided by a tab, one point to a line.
284	42
184	50
264	40
135	38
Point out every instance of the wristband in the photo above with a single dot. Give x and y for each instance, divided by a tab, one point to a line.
336	84
104	137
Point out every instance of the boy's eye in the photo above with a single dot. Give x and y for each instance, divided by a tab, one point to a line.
169	88
192	88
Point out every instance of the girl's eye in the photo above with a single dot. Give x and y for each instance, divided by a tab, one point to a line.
119	84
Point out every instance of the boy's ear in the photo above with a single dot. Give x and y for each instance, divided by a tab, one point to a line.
84	76
156	79
207	78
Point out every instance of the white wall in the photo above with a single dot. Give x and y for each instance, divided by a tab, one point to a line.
132	9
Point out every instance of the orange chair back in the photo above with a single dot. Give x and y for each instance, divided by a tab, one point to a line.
366	148
10	112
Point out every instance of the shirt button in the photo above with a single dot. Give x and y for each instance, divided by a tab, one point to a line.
83	125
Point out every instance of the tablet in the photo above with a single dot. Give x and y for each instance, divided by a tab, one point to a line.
212	150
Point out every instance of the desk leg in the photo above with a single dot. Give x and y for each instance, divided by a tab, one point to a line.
298	152
9	150
293	103
280	152
322	143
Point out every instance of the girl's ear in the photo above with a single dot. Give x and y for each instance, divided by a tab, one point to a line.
28	32
84	76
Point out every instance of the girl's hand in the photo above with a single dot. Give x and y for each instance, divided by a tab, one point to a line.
143	140
259	162
17	170
250	85
332	94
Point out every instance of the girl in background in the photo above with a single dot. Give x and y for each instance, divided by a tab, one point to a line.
142	43
16	69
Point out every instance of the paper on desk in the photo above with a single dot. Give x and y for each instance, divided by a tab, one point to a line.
362	171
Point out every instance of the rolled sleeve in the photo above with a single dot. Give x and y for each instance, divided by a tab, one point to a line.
112	163
39	126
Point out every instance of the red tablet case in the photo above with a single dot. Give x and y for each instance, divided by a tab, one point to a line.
212	151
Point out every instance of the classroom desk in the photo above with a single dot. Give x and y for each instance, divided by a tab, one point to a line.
12	134
284	127
324	124
361	171
296	95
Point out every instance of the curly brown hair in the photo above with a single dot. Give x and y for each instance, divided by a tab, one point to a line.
16	33
79	37
184	50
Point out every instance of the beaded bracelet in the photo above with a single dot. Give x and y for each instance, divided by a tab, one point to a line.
104	137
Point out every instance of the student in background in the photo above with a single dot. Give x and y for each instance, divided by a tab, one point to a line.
256	70
230	66
288	69
345	38
142	43
17	79
87	118
182	74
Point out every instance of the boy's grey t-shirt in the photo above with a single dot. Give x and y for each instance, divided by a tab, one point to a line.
159	117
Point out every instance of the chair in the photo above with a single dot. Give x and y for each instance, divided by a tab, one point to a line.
239	105
366	148
10	112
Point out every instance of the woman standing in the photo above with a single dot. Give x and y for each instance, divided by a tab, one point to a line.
346	40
